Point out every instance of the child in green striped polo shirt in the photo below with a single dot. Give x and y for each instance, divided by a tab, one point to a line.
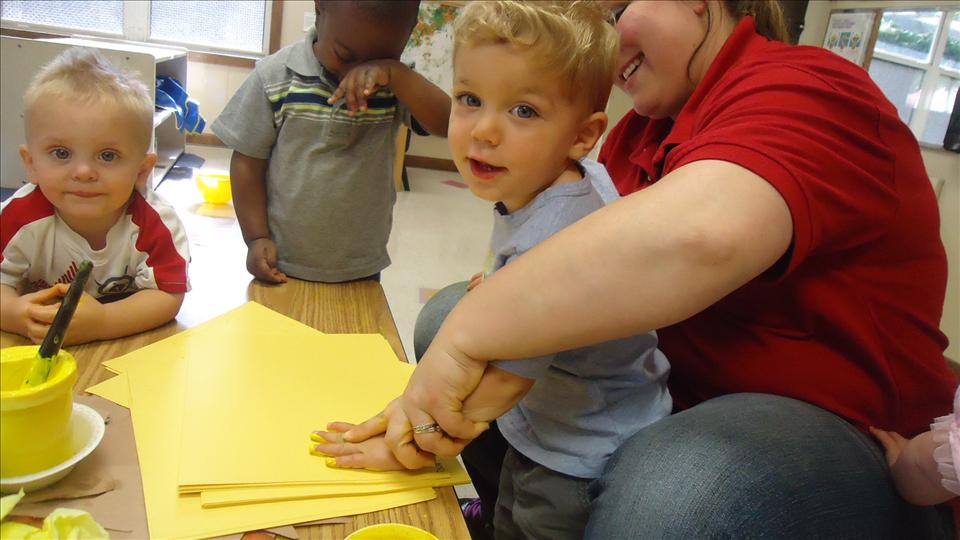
313	132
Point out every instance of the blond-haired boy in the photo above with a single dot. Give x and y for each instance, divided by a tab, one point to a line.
88	129
531	81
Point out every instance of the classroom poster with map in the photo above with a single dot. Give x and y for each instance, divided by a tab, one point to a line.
430	48
848	34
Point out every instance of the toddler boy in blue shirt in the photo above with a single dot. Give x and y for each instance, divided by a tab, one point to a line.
531	81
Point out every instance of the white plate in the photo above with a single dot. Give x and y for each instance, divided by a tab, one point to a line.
88	429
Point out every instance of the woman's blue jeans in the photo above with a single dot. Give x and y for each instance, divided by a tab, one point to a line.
740	466
754	466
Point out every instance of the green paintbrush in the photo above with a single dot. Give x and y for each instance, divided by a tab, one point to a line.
43	363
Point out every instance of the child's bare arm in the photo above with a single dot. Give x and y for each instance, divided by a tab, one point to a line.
425	100
16	311
248	177
93	321
913	467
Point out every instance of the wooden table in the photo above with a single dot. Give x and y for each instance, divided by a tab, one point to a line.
220	284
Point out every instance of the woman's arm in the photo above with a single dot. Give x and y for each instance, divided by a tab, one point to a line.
651	259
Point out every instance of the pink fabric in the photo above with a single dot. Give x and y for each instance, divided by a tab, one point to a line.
946	433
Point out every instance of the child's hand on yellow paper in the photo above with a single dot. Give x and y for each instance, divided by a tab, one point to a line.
372	453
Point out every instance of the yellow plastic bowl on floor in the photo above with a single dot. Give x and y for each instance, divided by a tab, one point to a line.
390	531
215	187
35	428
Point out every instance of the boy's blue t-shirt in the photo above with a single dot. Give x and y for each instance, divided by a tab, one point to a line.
330	188
586	401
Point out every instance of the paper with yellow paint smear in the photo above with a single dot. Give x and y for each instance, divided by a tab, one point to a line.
253	405
157	388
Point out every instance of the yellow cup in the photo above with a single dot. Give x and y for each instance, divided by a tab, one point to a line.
390	531
215	187
35	428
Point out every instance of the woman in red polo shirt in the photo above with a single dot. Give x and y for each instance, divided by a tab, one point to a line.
778	227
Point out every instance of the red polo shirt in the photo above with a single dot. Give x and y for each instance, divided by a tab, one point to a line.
849	318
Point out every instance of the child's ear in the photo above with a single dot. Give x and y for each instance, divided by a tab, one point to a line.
590	132
27	160
145	172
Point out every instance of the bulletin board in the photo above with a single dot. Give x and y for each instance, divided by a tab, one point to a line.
851	35
430	48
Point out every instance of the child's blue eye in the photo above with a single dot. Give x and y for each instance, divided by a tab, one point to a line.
108	155
60	153
469	100
524	111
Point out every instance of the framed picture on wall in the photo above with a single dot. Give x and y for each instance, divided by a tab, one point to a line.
848	34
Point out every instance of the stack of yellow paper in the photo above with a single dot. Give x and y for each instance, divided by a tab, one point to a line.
222	414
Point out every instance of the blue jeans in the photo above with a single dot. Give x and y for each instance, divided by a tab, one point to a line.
754	466
433	314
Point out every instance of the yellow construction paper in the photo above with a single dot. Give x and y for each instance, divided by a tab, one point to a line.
249	316
156	391
253	402
214	498
115	389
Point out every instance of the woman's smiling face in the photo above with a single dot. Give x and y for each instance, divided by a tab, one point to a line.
657	41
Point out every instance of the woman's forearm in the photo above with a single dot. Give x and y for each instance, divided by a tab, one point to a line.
649	260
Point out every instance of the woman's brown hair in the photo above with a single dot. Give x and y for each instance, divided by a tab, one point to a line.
767	16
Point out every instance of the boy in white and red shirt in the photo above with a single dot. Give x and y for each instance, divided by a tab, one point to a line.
88	129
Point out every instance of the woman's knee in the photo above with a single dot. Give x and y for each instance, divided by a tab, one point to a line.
433	314
745	465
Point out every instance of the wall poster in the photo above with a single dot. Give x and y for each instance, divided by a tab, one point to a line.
848	34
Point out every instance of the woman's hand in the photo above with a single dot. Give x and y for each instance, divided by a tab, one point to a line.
435	394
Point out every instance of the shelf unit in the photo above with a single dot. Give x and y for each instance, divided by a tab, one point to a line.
21	58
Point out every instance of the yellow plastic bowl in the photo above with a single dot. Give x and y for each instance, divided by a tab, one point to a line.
35	428
215	187
390	531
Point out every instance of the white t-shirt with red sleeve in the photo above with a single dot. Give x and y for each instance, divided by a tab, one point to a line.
146	249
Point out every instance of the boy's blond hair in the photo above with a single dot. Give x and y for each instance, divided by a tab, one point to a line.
83	75
574	39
